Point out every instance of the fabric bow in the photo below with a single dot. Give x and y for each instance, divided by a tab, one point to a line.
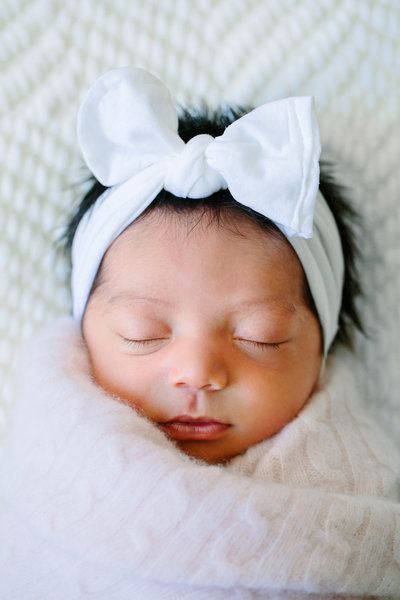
127	126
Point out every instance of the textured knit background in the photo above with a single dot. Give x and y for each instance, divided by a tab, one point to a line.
344	52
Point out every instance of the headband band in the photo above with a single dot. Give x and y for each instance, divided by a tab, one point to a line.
268	159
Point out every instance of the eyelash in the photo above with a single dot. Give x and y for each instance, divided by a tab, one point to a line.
141	343
261	345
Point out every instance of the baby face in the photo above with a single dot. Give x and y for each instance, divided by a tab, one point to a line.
205	331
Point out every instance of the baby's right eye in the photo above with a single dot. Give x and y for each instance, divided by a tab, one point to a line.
144	346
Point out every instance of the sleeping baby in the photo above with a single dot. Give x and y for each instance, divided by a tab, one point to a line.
192	430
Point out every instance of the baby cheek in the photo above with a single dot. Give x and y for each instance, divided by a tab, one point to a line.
269	420
113	375
140	387
271	403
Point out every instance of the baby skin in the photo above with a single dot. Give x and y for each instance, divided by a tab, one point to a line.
205	329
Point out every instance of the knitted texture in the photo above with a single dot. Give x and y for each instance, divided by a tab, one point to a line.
239	51
97	502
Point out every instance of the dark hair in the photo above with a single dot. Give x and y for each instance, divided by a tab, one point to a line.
221	205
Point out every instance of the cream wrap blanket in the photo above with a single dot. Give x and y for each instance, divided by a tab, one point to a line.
97	503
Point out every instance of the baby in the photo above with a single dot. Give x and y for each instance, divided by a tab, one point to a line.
212	274
200	314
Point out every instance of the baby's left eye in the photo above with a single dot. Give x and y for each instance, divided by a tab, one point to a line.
260	345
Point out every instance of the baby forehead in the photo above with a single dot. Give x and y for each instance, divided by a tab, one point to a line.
214	238
173	256
203	222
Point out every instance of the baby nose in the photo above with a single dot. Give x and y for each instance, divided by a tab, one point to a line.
198	368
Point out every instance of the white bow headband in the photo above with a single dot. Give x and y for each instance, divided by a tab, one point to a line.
268	159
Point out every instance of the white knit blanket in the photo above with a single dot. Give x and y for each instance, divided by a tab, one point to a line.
97	503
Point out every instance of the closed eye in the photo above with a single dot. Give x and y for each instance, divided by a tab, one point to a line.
260	345
147	343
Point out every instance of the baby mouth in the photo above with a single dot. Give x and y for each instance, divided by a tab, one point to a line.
185	427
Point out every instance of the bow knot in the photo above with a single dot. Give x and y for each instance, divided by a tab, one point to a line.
189	175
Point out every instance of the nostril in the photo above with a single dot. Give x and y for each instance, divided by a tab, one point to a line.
199	381
210	387
193	388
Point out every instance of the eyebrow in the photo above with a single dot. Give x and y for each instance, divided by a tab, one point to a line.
130	297
275	301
